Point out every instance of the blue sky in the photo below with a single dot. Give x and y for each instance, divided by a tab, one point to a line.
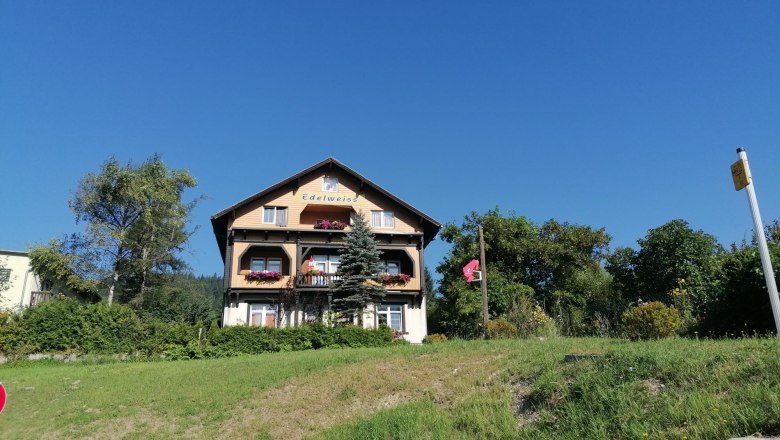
616	114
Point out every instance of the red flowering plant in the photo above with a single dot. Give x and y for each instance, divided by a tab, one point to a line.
330	224
395	278
263	275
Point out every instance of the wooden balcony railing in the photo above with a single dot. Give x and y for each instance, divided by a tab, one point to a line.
309	280
39	297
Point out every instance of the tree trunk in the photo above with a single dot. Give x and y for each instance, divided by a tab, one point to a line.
114	279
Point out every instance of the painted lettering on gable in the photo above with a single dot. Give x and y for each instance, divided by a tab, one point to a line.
328	198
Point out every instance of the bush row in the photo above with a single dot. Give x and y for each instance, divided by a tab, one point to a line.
66	326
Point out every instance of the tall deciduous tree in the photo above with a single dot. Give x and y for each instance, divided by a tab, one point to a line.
671	256
135	225
359	269
523	259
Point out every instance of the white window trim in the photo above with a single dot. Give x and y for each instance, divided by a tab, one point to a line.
382	220
324	184
273	221
263	316
388	313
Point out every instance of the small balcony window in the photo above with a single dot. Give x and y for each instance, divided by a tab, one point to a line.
266	264
330	184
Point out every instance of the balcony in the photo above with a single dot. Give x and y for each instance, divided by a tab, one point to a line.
316	280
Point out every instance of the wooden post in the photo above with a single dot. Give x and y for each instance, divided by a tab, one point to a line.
483	267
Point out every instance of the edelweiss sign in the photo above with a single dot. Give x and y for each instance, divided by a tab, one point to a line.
328	198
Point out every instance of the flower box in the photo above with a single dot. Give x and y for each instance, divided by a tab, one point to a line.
263	275
395	278
330	224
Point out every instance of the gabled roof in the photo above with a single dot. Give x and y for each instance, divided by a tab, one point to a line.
219	220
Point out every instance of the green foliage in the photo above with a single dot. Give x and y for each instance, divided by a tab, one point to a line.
61	271
136	226
653	320
196	350
63	324
359	267
540	324
666	255
741	306
183	300
522	258
500	328
435	338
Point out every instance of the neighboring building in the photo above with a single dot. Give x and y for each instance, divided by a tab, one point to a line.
23	286
296	228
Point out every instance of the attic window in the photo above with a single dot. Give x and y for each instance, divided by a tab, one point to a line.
330	184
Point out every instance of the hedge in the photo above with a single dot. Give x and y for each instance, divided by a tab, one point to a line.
63	325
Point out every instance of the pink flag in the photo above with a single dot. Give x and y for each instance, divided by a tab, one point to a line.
468	270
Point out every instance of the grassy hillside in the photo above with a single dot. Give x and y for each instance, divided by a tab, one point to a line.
511	389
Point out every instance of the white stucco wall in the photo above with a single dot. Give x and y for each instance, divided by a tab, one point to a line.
22	280
414	317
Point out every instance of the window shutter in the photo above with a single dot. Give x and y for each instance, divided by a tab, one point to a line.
281	216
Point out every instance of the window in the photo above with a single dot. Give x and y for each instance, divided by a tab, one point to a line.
327	263
392	267
330	184
270	264
382	219
262	315
390	315
273	215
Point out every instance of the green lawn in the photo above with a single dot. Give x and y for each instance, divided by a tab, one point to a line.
519	389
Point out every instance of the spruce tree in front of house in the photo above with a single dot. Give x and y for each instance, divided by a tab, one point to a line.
359	268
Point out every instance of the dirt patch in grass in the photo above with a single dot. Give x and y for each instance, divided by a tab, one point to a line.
308	405
120	427
525	412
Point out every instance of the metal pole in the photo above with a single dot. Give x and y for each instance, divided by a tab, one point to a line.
484	279
769	273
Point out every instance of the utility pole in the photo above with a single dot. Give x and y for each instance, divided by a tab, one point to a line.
484	280
740	172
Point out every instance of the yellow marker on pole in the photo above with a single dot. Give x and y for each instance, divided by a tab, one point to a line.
740	173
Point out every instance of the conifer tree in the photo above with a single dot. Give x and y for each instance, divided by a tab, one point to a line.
359	269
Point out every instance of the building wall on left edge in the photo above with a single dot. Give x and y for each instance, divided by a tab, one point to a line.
22	281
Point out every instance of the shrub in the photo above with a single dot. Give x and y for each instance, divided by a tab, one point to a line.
500	328
13	336
539	324
435	338
64	325
154	335
194	350
653	320
354	336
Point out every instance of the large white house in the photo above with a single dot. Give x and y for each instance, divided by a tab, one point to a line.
18	283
